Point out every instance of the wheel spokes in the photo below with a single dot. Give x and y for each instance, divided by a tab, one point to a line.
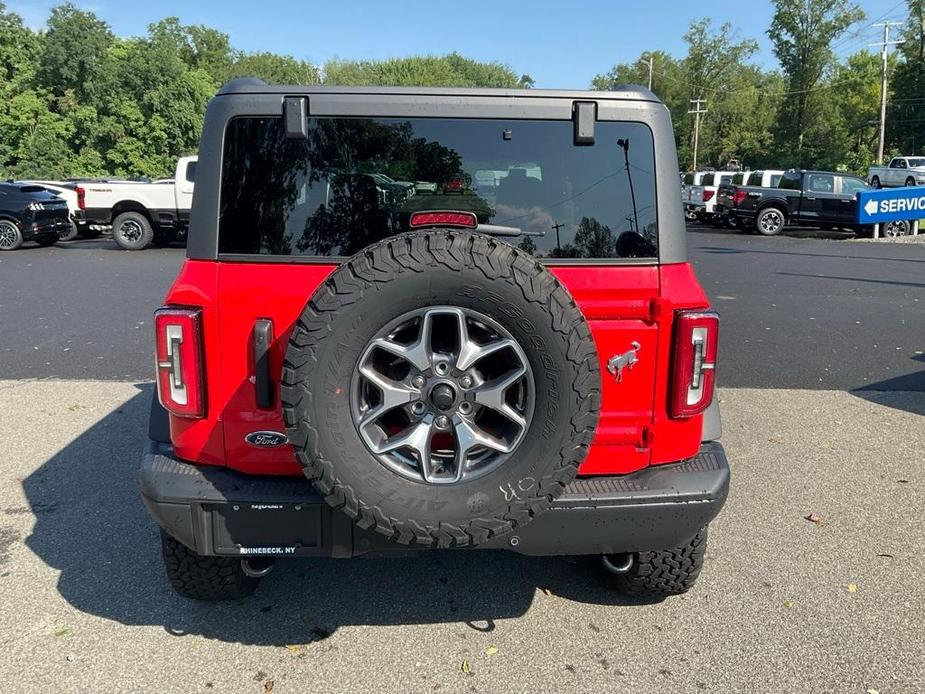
470	436
394	393
418	353
492	394
432	397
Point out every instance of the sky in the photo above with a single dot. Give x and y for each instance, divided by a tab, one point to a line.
560	44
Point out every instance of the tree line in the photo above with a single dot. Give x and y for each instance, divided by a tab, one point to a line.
819	109
77	100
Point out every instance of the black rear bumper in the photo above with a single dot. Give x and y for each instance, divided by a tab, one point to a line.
216	511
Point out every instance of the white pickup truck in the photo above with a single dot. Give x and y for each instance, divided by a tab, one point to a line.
143	213
902	171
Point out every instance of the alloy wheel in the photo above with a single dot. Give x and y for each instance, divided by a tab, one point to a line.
442	395
9	235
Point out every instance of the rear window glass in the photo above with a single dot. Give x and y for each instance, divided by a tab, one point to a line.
707	180
689	178
354	181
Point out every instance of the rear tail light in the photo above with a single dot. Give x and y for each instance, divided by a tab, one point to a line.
738	196
443	219
81	198
708	195
694	368
180	372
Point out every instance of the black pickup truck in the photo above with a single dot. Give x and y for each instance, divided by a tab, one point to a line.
823	199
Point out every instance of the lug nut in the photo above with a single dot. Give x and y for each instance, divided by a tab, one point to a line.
418	381
441	368
466	381
465	408
442	422
418	407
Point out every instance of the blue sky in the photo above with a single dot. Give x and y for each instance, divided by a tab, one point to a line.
561	44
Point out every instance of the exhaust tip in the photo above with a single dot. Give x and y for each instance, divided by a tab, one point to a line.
617	563
256	568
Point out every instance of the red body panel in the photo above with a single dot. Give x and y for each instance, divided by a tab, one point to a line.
623	304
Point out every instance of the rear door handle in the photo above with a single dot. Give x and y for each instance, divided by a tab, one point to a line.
808	197
263	386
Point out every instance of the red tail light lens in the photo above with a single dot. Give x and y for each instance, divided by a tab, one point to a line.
738	196
708	195
694	368
180	367
81	198
443	219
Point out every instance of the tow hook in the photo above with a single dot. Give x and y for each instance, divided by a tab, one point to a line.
256	568
617	563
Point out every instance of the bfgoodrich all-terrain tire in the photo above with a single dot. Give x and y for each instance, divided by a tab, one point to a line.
204	578
666	572
392	325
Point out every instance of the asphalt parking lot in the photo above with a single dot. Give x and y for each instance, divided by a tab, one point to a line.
823	393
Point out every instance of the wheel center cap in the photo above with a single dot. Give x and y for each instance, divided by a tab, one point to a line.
443	396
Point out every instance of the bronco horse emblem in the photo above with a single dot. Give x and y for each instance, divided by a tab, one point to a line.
627	360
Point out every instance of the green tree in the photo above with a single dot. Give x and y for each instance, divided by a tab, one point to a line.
451	70
75	54
274	69
906	119
802	32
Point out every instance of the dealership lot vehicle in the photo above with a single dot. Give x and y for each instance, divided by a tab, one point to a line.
420	375
691	193
140	213
901	171
771	578
73	194
30	213
822	199
709	185
724	193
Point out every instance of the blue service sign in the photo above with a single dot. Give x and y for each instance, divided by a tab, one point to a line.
891	205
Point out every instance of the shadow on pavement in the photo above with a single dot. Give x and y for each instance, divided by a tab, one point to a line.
853	279
90	526
906	393
791	232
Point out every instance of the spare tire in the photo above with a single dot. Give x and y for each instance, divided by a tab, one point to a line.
441	388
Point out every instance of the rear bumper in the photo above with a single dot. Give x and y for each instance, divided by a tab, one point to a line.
44	229
216	511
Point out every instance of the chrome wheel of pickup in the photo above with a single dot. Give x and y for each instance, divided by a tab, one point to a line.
895	229
770	221
442	394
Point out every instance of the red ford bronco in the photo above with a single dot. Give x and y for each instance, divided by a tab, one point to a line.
434	318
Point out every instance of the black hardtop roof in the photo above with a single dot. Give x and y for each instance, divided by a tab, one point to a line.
252	85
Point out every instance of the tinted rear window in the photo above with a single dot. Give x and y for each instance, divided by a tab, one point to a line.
707	180
357	180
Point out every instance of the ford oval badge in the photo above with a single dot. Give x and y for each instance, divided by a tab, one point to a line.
266	439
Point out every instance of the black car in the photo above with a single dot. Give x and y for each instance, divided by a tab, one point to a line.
30	213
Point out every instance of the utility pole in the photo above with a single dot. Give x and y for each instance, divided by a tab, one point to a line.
884	54
648	62
697	111
558	226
